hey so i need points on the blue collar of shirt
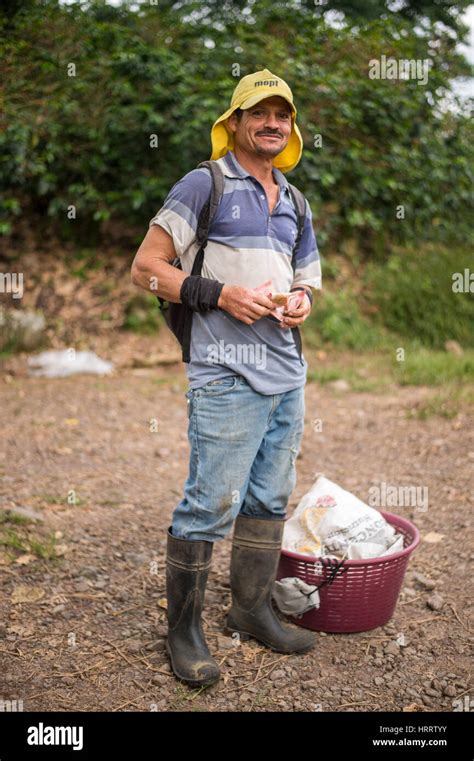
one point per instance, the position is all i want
(234, 169)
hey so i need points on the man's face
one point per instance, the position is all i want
(263, 129)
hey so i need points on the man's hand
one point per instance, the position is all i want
(245, 304)
(297, 316)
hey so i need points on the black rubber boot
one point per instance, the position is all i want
(256, 546)
(187, 568)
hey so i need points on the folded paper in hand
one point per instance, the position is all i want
(285, 302)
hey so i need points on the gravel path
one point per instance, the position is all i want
(80, 460)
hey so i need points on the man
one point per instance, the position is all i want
(246, 378)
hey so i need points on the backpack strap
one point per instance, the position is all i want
(299, 202)
(204, 222)
(210, 207)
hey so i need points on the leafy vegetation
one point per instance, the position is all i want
(415, 294)
(106, 107)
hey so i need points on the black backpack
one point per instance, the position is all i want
(179, 317)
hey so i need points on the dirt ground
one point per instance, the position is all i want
(85, 629)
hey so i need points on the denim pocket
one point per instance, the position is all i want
(219, 386)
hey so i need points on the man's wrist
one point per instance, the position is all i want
(222, 297)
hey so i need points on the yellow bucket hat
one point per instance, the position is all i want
(250, 90)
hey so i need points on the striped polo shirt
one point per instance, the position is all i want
(246, 246)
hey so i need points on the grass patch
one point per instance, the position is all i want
(325, 375)
(45, 550)
(17, 520)
(337, 319)
(446, 405)
(9, 538)
(51, 499)
(186, 694)
(12, 537)
(433, 368)
(375, 371)
(364, 371)
(358, 382)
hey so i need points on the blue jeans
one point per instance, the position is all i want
(243, 452)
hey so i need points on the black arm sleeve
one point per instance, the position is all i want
(200, 293)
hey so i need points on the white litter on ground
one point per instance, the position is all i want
(59, 364)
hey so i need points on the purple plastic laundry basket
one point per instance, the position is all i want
(363, 593)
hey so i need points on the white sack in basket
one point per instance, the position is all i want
(330, 522)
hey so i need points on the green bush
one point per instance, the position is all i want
(337, 319)
(413, 293)
(87, 86)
